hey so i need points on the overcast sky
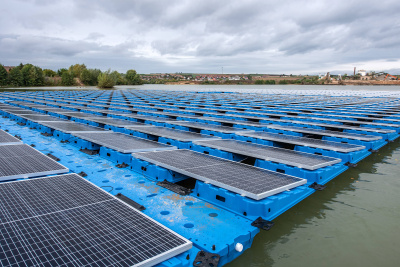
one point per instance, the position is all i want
(250, 36)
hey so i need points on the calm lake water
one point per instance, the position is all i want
(354, 222)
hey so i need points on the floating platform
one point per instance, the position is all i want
(180, 178)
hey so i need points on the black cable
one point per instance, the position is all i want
(243, 160)
(112, 188)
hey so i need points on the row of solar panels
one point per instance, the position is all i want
(274, 137)
(249, 111)
(256, 122)
(272, 99)
(235, 183)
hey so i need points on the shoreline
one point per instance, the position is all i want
(343, 83)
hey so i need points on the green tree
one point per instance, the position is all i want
(85, 77)
(61, 71)
(94, 75)
(132, 78)
(77, 69)
(20, 66)
(3, 76)
(36, 77)
(15, 77)
(106, 80)
(25, 71)
(67, 78)
(120, 79)
(259, 82)
(49, 73)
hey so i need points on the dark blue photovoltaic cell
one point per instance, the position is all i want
(66, 220)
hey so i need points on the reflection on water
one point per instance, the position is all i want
(354, 222)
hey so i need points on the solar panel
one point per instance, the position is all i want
(249, 181)
(231, 121)
(67, 221)
(70, 127)
(38, 118)
(20, 111)
(55, 110)
(304, 141)
(122, 142)
(342, 126)
(22, 161)
(362, 137)
(78, 114)
(351, 122)
(148, 118)
(269, 153)
(8, 139)
(179, 135)
(115, 122)
(206, 126)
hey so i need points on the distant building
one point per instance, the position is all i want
(8, 68)
(362, 72)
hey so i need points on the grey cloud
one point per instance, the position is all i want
(183, 35)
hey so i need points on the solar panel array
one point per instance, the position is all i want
(269, 153)
(250, 181)
(122, 142)
(23, 161)
(67, 221)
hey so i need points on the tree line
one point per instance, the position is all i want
(78, 75)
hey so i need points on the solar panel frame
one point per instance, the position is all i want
(64, 231)
(106, 143)
(15, 165)
(255, 147)
(8, 139)
(233, 170)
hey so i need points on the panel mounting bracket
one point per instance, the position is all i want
(122, 165)
(316, 186)
(206, 259)
(53, 157)
(89, 151)
(262, 224)
(183, 191)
